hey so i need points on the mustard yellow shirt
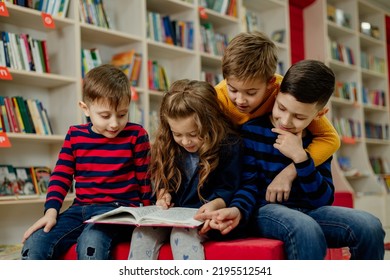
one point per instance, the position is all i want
(326, 141)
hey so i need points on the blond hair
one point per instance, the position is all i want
(250, 56)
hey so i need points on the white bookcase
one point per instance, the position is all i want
(322, 35)
(60, 90)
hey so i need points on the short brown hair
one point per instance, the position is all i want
(249, 56)
(106, 83)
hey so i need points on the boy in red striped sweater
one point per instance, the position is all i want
(108, 159)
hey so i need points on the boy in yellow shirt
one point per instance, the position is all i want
(249, 91)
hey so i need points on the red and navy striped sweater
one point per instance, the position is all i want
(105, 170)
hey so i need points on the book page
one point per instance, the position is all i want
(122, 214)
(174, 215)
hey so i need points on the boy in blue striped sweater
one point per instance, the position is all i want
(301, 217)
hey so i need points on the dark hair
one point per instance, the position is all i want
(106, 83)
(309, 81)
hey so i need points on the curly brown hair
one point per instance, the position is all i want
(188, 98)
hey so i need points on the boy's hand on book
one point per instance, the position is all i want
(47, 222)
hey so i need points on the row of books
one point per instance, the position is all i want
(373, 97)
(161, 28)
(339, 16)
(251, 21)
(377, 131)
(385, 181)
(211, 77)
(225, 7)
(130, 62)
(341, 52)
(23, 182)
(53, 7)
(347, 128)
(212, 42)
(380, 165)
(157, 76)
(21, 115)
(22, 52)
(90, 58)
(93, 12)
(372, 62)
(346, 90)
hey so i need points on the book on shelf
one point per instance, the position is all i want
(124, 61)
(27, 184)
(42, 178)
(149, 216)
(23, 182)
(8, 183)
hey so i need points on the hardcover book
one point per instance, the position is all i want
(149, 216)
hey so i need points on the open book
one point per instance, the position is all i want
(149, 216)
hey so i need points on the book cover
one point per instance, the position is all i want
(6, 46)
(25, 117)
(42, 177)
(149, 216)
(11, 115)
(3, 61)
(3, 113)
(18, 114)
(8, 184)
(26, 182)
(45, 55)
(36, 117)
(124, 61)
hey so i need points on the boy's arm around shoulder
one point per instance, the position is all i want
(226, 179)
(326, 140)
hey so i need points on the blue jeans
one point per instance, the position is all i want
(94, 241)
(308, 233)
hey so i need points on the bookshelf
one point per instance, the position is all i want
(359, 108)
(60, 90)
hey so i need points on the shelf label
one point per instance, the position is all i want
(348, 140)
(5, 74)
(48, 21)
(4, 140)
(3, 10)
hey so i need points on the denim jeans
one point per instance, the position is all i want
(308, 233)
(94, 241)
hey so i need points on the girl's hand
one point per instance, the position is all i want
(164, 199)
(47, 222)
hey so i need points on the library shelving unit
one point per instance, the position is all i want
(273, 18)
(60, 90)
(350, 37)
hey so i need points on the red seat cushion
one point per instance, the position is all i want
(240, 249)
